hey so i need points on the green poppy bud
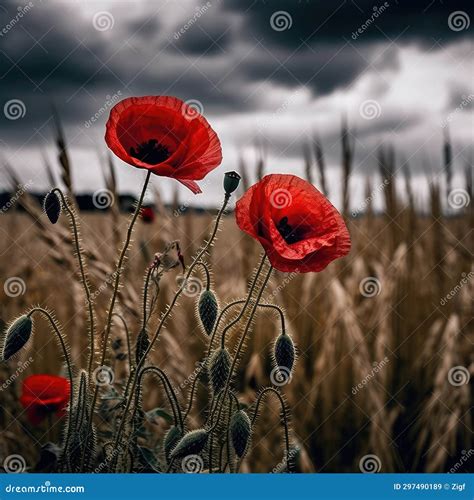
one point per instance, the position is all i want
(17, 336)
(208, 310)
(231, 182)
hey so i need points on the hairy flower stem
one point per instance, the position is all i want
(284, 420)
(166, 314)
(239, 348)
(62, 342)
(127, 335)
(146, 287)
(216, 326)
(170, 394)
(118, 274)
(84, 280)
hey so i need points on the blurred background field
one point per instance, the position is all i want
(384, 336)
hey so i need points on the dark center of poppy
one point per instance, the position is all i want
(288, 233)
(151, 152)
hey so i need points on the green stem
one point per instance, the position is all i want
(171, 395)
(242, 341)
(284, 412)
(216, 326)
(64, 348)
(145, 295)
(127, 334)
(83, 272)
(118, 273)
(168, 312)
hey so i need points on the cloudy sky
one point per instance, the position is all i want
(273, 72)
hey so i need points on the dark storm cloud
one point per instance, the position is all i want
(318, 21)
(208, 37)
(223, 60)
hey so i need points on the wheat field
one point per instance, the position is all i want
(384, 336)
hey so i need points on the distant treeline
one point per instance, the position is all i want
(88, 203)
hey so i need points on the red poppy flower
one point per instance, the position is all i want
(165, 135)
(298, 227)
(43, 395)
(147, 214)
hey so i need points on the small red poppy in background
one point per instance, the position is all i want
(147, 215)
(165, 135)
(298, 227)
(44, 395)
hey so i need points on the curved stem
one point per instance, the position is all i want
(171, 395)
(242, 340)
(83, 272)
(216, 326)
(127, 334)
(249, 296)
(207, 273)
(168, 311)
(118, 273)
(145, 295)
(63, 345)
(173, 400)
(268, 306)
(284, 412)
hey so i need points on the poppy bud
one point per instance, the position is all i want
(219, 368)
(170, 440)
(17, 336)
(284, 352)
(231, 182)
(52, 206)
(142, 345)
(191, 443)
(208, 310)
(240, 429)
